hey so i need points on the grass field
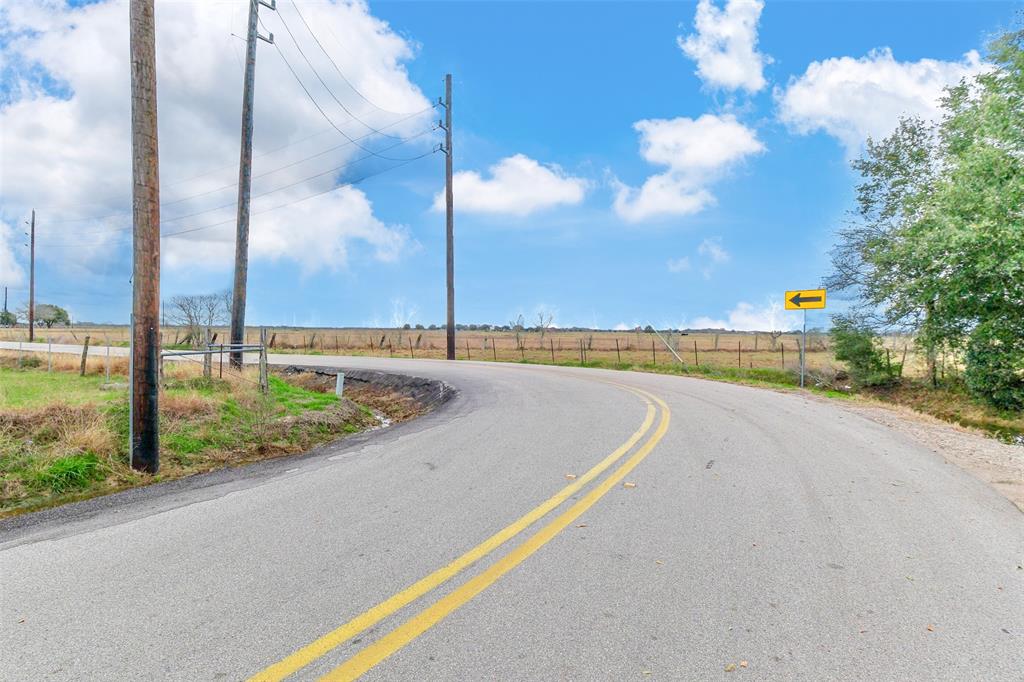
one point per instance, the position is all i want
(716, 349)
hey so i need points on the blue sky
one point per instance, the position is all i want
(757, 186)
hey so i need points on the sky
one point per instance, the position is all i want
(616, 163)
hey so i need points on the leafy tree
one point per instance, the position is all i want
(995, 364)
(8, 319)
(936, 244)
(48, 314)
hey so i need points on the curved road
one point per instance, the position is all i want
(548, 523)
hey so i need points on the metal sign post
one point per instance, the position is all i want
(805, 299)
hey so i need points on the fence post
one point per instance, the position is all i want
(739, 354)
(411, 353)
(618, 355)
(339, 384)
(782, 347)
(49, 354)
(654, 353)
(85, 354)
(696, 363)
(108, 360)
(552, 341)
(221, 370)
(264, 378)
(207, 358)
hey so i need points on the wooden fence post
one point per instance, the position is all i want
(696, 362)
(552, 350)
(207, 358)
(739, 354)
(468, 357)
(618, 355)
(264, 378)
(654, 353)
(782, 347)
(85, 354)
(411, 353)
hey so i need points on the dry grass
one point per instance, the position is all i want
(718, 349)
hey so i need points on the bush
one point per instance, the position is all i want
(857, 346)
(995, 364)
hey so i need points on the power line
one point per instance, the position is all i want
(316, 73)
(335, 65)
(317, 104)
(272, 191)
(266, 210)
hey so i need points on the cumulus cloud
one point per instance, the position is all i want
(696, 153)
(65, 118)
(725, 45)
(852, 99)
(518, 185)
(749, 317)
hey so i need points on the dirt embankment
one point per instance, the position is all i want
(398, 397)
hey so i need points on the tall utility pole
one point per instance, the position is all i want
(145, 352)
(31, 281)
(450, 214)
(245, 183)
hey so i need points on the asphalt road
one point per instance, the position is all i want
(724, 526)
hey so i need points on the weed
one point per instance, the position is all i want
(74, 471)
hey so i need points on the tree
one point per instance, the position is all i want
(936, 245)
(8, 319)
(544, 323)
(858, 347)
(197, 312)
(46, 314)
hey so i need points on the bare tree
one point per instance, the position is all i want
(544, 323)
(198, 311)
(517, 325)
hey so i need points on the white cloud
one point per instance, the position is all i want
(518, 186)
(696, 152)
(725, 45)
(748, 317)
(713, 250)
(11, 273)
(67, 148)
(679, 264)
(852, 99)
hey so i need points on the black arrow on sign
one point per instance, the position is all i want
(798, 299)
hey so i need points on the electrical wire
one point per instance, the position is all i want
(335, 65)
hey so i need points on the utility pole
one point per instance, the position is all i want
(450, 215)
(145, 351)
(245, 182)
(31, 281)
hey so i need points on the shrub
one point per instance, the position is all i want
(995, 364)
(857, 346)
(76, 471)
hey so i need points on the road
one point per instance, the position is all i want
(711, 531)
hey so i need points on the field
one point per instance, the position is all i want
(748, 350)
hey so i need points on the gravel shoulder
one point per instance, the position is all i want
(1001, 465)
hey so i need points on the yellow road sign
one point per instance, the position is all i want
(805, 299)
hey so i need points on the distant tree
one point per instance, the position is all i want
(544, 323)
(649, 329)
(8, 319)
(47, 314)
(197, 312)
(419, 326)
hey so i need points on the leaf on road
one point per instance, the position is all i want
(571, 477)
(729, 667)
(931, 629)
(743, 664)
(627, 484)
(581, 525)
(659, 562)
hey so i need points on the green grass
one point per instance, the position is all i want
(68, 440)
(32, 388)
(296, 400)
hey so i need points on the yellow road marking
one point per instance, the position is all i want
(335, 638)
(405, 633)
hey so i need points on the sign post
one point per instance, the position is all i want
(805, 299)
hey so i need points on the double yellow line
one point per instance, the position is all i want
(405, 633)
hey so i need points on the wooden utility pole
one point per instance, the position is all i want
(31, 280)
(145, 350)
(450, 214)
(245, 184)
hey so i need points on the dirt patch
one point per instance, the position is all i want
(999, 464)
